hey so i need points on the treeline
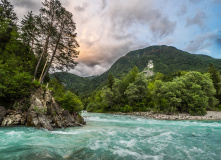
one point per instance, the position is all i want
(29, 51)
(17, 62)
(187, 92)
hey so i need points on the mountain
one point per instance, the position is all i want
(166, 60)
(73, 82)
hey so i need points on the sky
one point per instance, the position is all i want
(109, 29)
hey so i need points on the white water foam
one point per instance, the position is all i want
(130, 143)
(125, 152)
(95, 145)
(15, 134)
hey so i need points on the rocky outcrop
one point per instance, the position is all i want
(42, 112)
(148, 71)
(13, 118)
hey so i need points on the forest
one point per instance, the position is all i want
(31, 49)
(183, 92)
(46, 43)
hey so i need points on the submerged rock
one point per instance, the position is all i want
(43, 112)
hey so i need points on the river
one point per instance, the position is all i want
(115, 137)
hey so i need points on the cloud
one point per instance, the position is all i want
(112, 29)
(198, 19)
(124, 16)
(23, 6)
(81, 8)
(27, 3)
(195, 1)
(205, 51)
(108, 29)
(217, 1)
(182, 10)
(201, 42)
(218, 41)
(104, 4)
(85, 71)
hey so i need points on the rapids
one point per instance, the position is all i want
(115, 137)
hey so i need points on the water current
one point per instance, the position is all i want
(115, 137)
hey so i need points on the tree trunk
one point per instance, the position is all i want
(52, 57)
(42, 53)
(45, 47)
(43, 69)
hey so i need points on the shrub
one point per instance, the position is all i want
(70, 102)
(127, 108)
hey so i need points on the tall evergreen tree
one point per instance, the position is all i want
(65, 44)
(7, 12)
(137, 91)
(16, 62)
(29, 30)
(110, 81)
(8, 20)
(214, 74)
(47, 24)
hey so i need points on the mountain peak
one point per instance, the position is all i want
(152, 59)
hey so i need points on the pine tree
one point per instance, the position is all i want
(30, 31)
(7, 12)
(65, 44)
(16, 61)
(110, 81)
(214, 74)
(47, 23)
(8, 20)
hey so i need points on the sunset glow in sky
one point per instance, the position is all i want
(109, 29)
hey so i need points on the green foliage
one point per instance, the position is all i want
(191, 93)
(66, 99)
(73, 82)
(96, 102)
(16, 62)
(7, 12)
(108, 97)
(70, 102)
(127, 108)
(110, 81)
(216, 78)
(29, 30)
(137, 91)
(126, 95)
(95, 107)
(36, 84)
(167, 60)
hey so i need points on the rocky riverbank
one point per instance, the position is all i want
(40, 111)
(211, 115)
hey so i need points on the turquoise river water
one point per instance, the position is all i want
(115, 137)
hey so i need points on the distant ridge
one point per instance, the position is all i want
(166, 60)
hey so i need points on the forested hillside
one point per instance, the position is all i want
(166, 60)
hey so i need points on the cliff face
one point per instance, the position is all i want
(40, 111)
